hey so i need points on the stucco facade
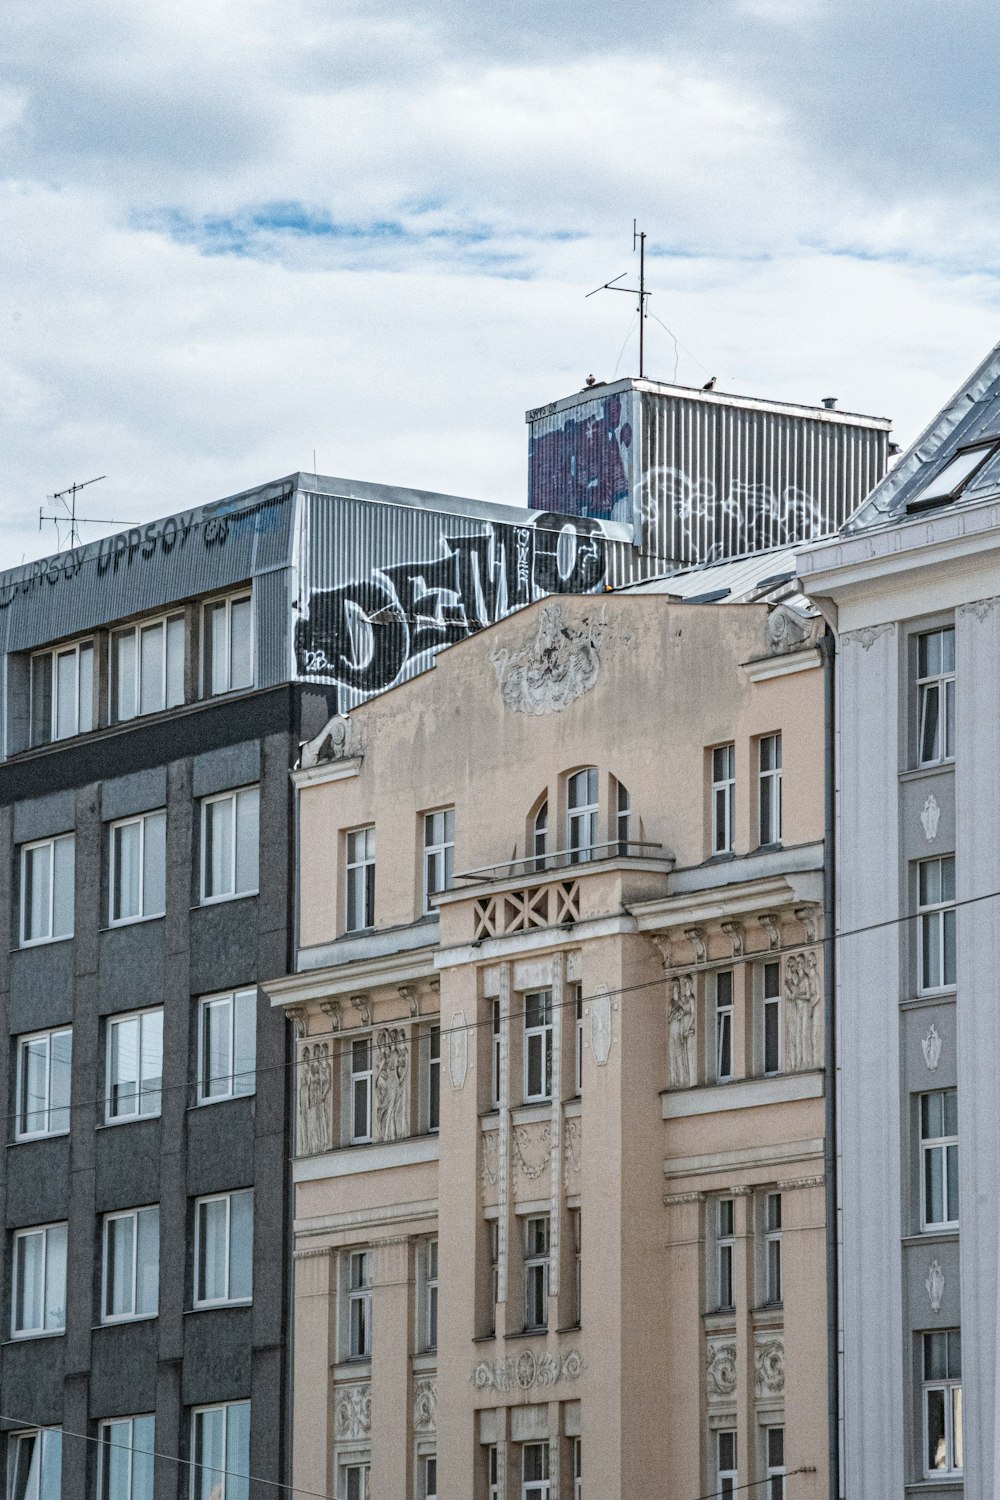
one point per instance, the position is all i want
(559, 1191)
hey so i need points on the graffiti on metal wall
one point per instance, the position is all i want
(366, 633)
(699, 523)
(583, 466)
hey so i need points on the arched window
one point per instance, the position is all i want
(581, 814)
(540, 835)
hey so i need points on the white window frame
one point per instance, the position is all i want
(495, 1056)
(134, 1214)
(359, 1304)
(428, 1476)
(582, 816)
(773, 1269)
(236, 1001)
(724, 1013)
(227, 1300)
(578, 1040)
(535, 1489)
(142, 916)
(106, 1441)
(623, 817)
(938, 1148)
(234, 797)
(51, 936)
(723, 798)
(493, 1231)
(434, 1078)
(577, 1468)
(771, 1001)
(81, 667)
(430, 1329)
(727, 1471)
(769, 787)
(45, 1230)
(536, 1272)
(208, 689)
(360, 1078)
(538, 1039)
(576, 1225)
(725, 1251)
(360, 1467)
(42, 1436)
(227, 1492)
(937, 688)
(49, 1109)
(135, 630)
(540, 835)
(949, 1387)
(439, 855)
(357, 878)
(493, 1472)
(776, 1470)
(142, 1093)
(938, 918)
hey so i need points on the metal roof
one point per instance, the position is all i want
(762, 577)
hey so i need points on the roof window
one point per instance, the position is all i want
(956, 475)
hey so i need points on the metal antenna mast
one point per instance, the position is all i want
(69, 506)
(638, 238)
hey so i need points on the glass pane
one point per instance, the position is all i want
(947, 880)
(241, 645)
(154, 865)
(934, 1185)
(41, 699)
(123, 672)
(245, 1042)
(51, 1478)
(127, 840)
(64, 877)
(775, 1447)
(215, 646)
(37, 868)
(219, 847)
(930, 882)
(952, 1169)
(147, 1289)
(55, 1278)
(948, 968)
(957, 1435)
(120, 1249)
(937, 1448)
(247, 839)
(772, 1054)
(931, 951)
(116, 1460)
(86, 719)
(935, 1356)
(211, 1285)
(29, 1263)
(151, 665)
(241, 1245)
(66, 664)
(209, 1455)
(238, 1450)
(931, 1116)
(175, 661)
(216, 1048)
(143, 1442)
(950, 1104)
(953, 474)
(34, 1086)
(361, 1097)
(123, 1068)
(152, 1062)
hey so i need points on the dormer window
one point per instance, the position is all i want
(956, 476)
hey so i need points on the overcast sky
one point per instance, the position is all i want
(235, 233)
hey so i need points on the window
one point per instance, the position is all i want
(434, 1078)
(772, 1248)
(131, 1280)
(582, 814)
(771, 982)
(943, 1444)
(229, 844)
(725, 1462)
(139, 868)
(359, 1304)
(47, 889)
(770, 789)
(227, 1045)
(578, 1038)
(725, 1244)
(493, 1472)
(939, 1160)
(429, 1478)
(125, 1459)
(540, 835)
(227, 651)
(955, 475)
(431, 1295)
(62, 692)
(220, 1452)
(147, 668)
(35, 1465)
(135, 1065)
(576, 1225)
(936, 902)
(44, 1061)
(535, 1471)
(936, 696)
(724, 1026)
(623, 817)
(536, 1272)
(439, 853)
(223, 1248)
(577, 1469)
(355, 1482)
(775, 1442)
(723, 799)
(538, 1045)
(493, 1229)
(361, 1090)
(495, 1057)
(39, 1281)
(361, 879)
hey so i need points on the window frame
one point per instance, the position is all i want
(540, 835)
(727, 1471)
(769, 790)
(201, 1303)
(434, 1077)
(538, 1037)
(723, 794)
(29, 849)
(367, 878)
(773, 1269)
(775, 1461)
(361, 1467)
(430, 1326)
(128, 1213)
(725, 1251)
(45, 1230)
(39, 1434)
(724, 1024)
(105, 1444)
(576, 1240)
(771, 1009)
(135, 630)
(20, 1100)
(208, 690)
(942, 686)
(948, 1386)
(112, 1022)
(360, 1077)
(441, 850)
(235, 894)
(52, 654)
(578, 1040)
(937, 913)
(495, 1055)
(939, 1146)
(583, 818)
(623, 817)
(536, 1273)
(141, 819)
(535, 1487)
(230, 999)
(199, 1413)
(359, 1296)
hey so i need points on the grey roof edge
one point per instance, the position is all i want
(831, 415)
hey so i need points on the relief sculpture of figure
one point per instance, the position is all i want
(802, 992)
(323, 1087)
(681, 1033)
(390, 1083)
(815, 1020)
(305, 1116)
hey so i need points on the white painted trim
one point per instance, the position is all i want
(330, 770)
(537, 941)
(747, 1156)
(783, 666)
(354, 1161)
(746, 1093)
(365, 1218)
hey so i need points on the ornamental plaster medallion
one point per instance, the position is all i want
(720, 1375)
(866, 637)
(424, 1404)
(930, 817)
(572, 1151)
(600, 1025)
(458, 1050)
(786, 629)
(769, 1367)
(558, 666)
(532, 1150)
(935, 1285)
(979, 607)
(489, 1167)
(527, 1370)
(931, 1048)
(354, 1412)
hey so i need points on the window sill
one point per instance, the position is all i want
(209, 1307)
(126, 1120)
(221, 900)
(131, 1318)
(932, 768)
(933, 1236)
(741, 1093)
(528, 1333)
(376, 1156)
(49, 942)
(32, 1338)
(31, 1140)
(155, 916)
(221, 1099)
(352, 1368)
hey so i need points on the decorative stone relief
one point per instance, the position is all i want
(331, 1008)
(337, 740)
(663, 948)
(408, 992)
(720, 1374)
(979, 607)
(489, 1165)
(521, 1372)
(600, 1025)
(532, 1152)
(866, 637)
(930, 816)
(808, 915)
(697, 938)
(787, 630)
(424, 1404)
(362, 1005)
(392, 1056)
(458, 1050)
(769, 921)
(935, 1285)
(573, 1153)
(558, 666)
(297, 1015)
(931, 1048)
(803, 1047)
(734, 932)
(315, 1088)
(353, 1418)
(769, 1367)
(682, 1032)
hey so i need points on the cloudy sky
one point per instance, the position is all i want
(238, 231)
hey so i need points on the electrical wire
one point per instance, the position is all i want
(754, 1484)
(677, 341)
(628, 335)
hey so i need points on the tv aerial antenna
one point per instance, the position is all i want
(69, 514)
(638, 238)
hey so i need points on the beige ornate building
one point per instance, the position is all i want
(559, 1203)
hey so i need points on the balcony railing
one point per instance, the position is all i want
(560, 859)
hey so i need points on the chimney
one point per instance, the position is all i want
(829, 402)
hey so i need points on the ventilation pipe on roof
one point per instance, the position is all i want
(830, 402)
